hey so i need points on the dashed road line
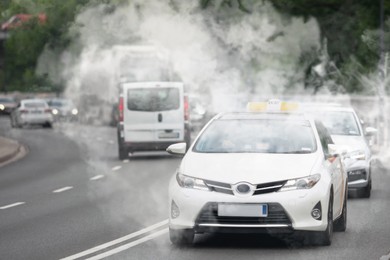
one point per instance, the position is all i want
(12, 205)
(110, 142)
(120, 240)
(99, 138)
(126, 161)
(115, 168)
(97, 177)
(63, 189)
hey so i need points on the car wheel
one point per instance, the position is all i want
(366, 191)
(181, 237)
(340, 224)
(324, 238)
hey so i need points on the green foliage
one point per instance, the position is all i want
(26, 43)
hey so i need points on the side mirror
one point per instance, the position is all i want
(335, 150)
(177, 149)
(370, 131)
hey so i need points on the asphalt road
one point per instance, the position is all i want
(71, 194)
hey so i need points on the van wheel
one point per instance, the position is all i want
(123, 153)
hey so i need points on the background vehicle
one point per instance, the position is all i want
(32, 112)
(153, 115)
(259, 172)
(345, 128)
(7, 104)
(18, 20)
(63, 109)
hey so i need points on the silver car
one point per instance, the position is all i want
(345, 128)
(32, 112)
(63, 109)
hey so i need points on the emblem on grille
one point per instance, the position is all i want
(243, 188)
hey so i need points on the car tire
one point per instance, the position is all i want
(340, 225)
(324, 238)
(182, 237)
(366, 191)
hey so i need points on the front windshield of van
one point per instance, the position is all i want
(153, 99)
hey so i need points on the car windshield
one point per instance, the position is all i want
(153, 99)
(339, 122)
(34, 105)
(6, 100)
(59, 103)
(257, 136)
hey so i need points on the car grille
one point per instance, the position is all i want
(260, 188)
(276, 216)
(357, 175)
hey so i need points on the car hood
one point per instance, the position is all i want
(253, 168)
(353, 143)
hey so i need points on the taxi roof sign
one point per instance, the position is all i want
(273, 105)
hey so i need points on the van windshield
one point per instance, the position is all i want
(153, 99)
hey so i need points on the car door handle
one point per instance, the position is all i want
(160, 117)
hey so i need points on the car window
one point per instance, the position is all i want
(339, 122)
(6, 100)
(153, 99)
(34, 105)
(324, 135)
(257, 136)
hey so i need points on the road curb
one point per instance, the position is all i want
(10, 150)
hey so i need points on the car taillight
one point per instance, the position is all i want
(23, 111)
(120, 109)
(48, 110)
(186, 109)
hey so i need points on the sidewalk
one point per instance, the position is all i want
(8, 149)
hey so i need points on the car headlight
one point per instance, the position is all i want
(190, 182)
(357, 155)
(301, 183)
(75, 111)
(54, 111)
(2, 107)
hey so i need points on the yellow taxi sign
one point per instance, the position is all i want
(273, 105)
(256, 106)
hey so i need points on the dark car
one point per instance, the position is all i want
(7, 104)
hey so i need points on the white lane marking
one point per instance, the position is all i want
(129, 245)
(116, 241)
(115, 168)
(110, 142)
(97, 177)
(63, 189)
(126, 161)
(12, 205)
(99, 139)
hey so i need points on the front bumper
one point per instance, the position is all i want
(358, 174)
(292, 210)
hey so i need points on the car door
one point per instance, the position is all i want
(153, 112)
(335, 168)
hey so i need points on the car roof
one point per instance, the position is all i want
(262, 115)
(328, 108)
(33, 101)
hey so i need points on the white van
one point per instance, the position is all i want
(152, 116)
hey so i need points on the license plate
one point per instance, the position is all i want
(36, 112)
(168, 135)
(242, 210)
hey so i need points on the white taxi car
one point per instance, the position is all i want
(267, 171)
